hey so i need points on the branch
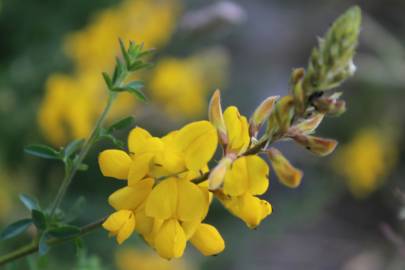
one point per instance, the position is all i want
(33, 247)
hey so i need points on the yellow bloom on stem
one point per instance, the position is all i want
(247, 177)
(120, 224)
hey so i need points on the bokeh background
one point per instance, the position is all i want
(349, 212)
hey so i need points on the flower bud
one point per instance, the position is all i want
(286, 173)
(281, 116)
(217, 175)
(330, 105)
(261, 114)
(215, 116)
(309, 125)
(317, 145)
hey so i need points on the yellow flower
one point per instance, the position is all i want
(237, 178)
(120, 224)
(246, 177)
(366, 161)
(181, 86)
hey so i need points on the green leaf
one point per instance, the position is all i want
(39, 219)
(124, 53)
(15, 228)
(107, 80)
(72, 147)
(134, 88)
(43, 246)
(29, 202)
(64, 231)
(119, 72)
(122, 124)
(43, 151)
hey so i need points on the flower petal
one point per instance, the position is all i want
(170, 241)
(132, 196)
(162, 201)
(198, 141)
(208, 240)
(237, 130)
(140, 167)
(191, 203)
(258, 172)
(136, 138)
(114, 163)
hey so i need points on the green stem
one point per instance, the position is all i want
(33, 247)
(71, 172)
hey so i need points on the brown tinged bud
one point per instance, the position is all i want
(329, 105)
(287, 174)
(215, 116)
(281, 117)
(317, 145)
(261, 114)
(309, 125)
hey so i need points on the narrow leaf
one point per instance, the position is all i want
(15, 228)
(107, 80)
(43, 246)
(42, 151)
(29, 202)
(122, 124)
(39, 219)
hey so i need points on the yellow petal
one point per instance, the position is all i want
(190, 227)
(150, 145)
(136, 138)
(247, 207)
(121, 224)
(317, 145)
(236, 178)
(208, 240)
(170, 241)
(126, 230)
(114, 163)
(191, 202)
(162, 201)
(140, 167)
(198, 141)
(286, 173)
(237, 130)
(131, 197)
(258, 172)
(246, 174)
(144, 224)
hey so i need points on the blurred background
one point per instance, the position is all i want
(349, 212)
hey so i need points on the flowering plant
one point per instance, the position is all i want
(171, 181)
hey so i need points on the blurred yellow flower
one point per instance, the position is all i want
(134, 259)
(72, 102)
(182, 86)
(366, 161)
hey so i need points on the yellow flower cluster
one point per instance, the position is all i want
(160, 201)
(169, 187)
(366, 161)
(72, 102)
